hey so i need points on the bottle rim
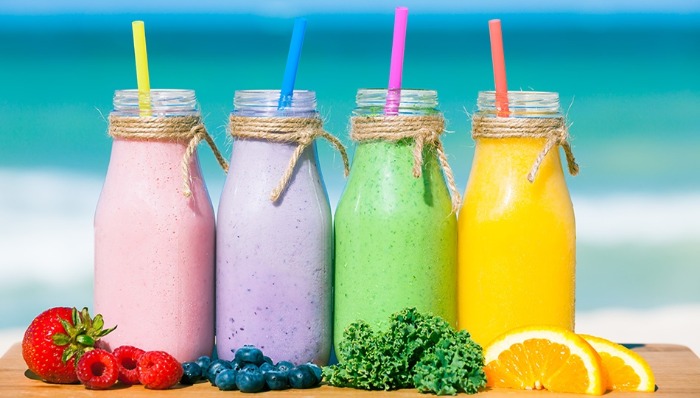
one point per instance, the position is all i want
(406, 91)
(267, 103)
(409, 101)
(162, 102)
(521, 103)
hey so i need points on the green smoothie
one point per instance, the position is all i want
(395, 237)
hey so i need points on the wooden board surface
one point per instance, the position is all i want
(677, 371)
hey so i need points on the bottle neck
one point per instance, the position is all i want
(157, 103)
(266, 103)
(373, 102)
(521, 104)
(513, 146)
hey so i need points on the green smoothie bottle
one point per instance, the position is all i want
(395, 225)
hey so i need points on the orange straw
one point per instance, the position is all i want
(499, 68)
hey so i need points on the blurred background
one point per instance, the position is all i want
(626, 71)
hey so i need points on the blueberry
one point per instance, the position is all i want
(302, 377)
(266, 367)
(285, 366)
(250, 368)
(268, 360)
(236, 366)
(203, 362)
(277, 379)
(317, 371)
(226, 380)
(249, 354)
(191, 373)
(215, 368)
(250, 381)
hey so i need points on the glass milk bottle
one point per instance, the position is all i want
(395, 228)
(274, 233)
(517, 240)
(154, 230)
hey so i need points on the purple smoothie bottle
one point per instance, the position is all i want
(274, 256)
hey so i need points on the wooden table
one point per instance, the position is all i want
(677, 371)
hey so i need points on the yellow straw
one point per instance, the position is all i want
(141, 56)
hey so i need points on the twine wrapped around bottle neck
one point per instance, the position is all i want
(290, 130)
(183, 129)
(425, 130)
(554, 130)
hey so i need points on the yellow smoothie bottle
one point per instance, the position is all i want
(516, 229)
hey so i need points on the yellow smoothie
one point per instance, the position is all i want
(516, 241)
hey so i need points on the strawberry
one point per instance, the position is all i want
(56, 339)
(97, 369)
(159, 370)
(127, 361)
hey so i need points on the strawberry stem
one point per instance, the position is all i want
(81, 335)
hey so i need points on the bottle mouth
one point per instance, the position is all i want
(521, 103)
(267, 103)
(373, 101)
(160, 102)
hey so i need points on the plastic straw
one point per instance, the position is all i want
(393, 97)
(290, 71)
(499, 68)
(142, 80)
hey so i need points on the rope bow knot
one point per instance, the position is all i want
(188, 129)
(424, 130)
(291, 130)
(554, 130)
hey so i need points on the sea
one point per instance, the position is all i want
(629, 85)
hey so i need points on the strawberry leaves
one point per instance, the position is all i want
(80, 335)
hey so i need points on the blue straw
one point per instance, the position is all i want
(290, 71)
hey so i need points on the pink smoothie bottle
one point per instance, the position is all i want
(155, 230)
(274, 258)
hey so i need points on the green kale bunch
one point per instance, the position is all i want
(417, 350)
(451, 366)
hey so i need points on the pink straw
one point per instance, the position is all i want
(393, 98)
(499, 68)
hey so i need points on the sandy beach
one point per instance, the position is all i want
(678, 324)
(8, 337)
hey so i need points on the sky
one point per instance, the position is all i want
(292, 7)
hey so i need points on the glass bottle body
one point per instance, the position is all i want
(517, 239)
(154, 247)
(274, 259)
(395, 234)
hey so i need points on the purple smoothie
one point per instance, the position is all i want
(274, 260)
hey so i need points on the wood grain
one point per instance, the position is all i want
(677, 371)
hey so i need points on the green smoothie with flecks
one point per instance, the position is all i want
(395, 235)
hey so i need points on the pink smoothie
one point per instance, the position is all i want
(274, 260)
(154, 252)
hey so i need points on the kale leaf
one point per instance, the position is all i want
(416, 350)
(451, 366)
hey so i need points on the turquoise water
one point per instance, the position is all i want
(630, 85)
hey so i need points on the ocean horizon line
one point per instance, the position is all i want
(541, 21)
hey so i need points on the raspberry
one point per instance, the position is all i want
(127, 361)
(159, 370)
(97, 369)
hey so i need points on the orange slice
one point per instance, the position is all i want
(544, 357)
(626, 370)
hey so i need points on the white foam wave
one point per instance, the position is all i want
(46, 216)
(638, 219)
(46, 226)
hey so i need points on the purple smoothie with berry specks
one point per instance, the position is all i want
(274, 259)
